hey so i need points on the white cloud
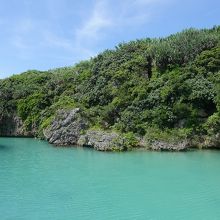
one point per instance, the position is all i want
(93, 27)
(107, 17)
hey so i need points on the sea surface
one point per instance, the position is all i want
(41, 182)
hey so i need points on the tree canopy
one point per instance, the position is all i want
(167, 83)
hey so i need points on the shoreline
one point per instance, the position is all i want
(135, 149)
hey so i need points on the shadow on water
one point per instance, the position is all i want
(3, 147)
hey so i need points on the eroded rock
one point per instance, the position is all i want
(13, 127)
(102, 140)
(158, 145)
(66, 127)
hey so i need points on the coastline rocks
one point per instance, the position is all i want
(69, 128)
(206, 141)
(102, 141)
(211, 141)
(66, 127)
(13, 127)
(163, 145)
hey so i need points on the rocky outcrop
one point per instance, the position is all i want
(163, 145)
(212, 141)
(12, 127)
(69, 128)
(66, 127)
(169, 146)
(102, 140)
(206, 141)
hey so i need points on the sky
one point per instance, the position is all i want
(46, 34)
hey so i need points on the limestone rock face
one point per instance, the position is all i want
(66, 127)
(211, 141)
(102, 140)
(12, 127)
(69, 128)
(163, 145)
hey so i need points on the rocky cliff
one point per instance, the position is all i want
(70, 127)
(66, 127)
(164, 145)
(13, 127)
(102, 140)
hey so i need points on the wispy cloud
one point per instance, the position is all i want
(93, 28)
(103, 19)
(106, 18)
(30, 35)
(97, 21)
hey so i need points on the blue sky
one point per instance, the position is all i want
(45, 34)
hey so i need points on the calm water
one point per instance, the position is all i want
(39, 182)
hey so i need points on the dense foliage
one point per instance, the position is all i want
(165, 84)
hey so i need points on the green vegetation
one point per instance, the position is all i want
(167, 87)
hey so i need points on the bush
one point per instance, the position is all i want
(212, 124)
(130, 141)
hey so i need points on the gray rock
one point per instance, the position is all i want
(102, 141)
(212, 141)
(165, 145)
(66, 127)
(13, 127)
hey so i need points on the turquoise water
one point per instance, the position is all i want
(39, 182)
